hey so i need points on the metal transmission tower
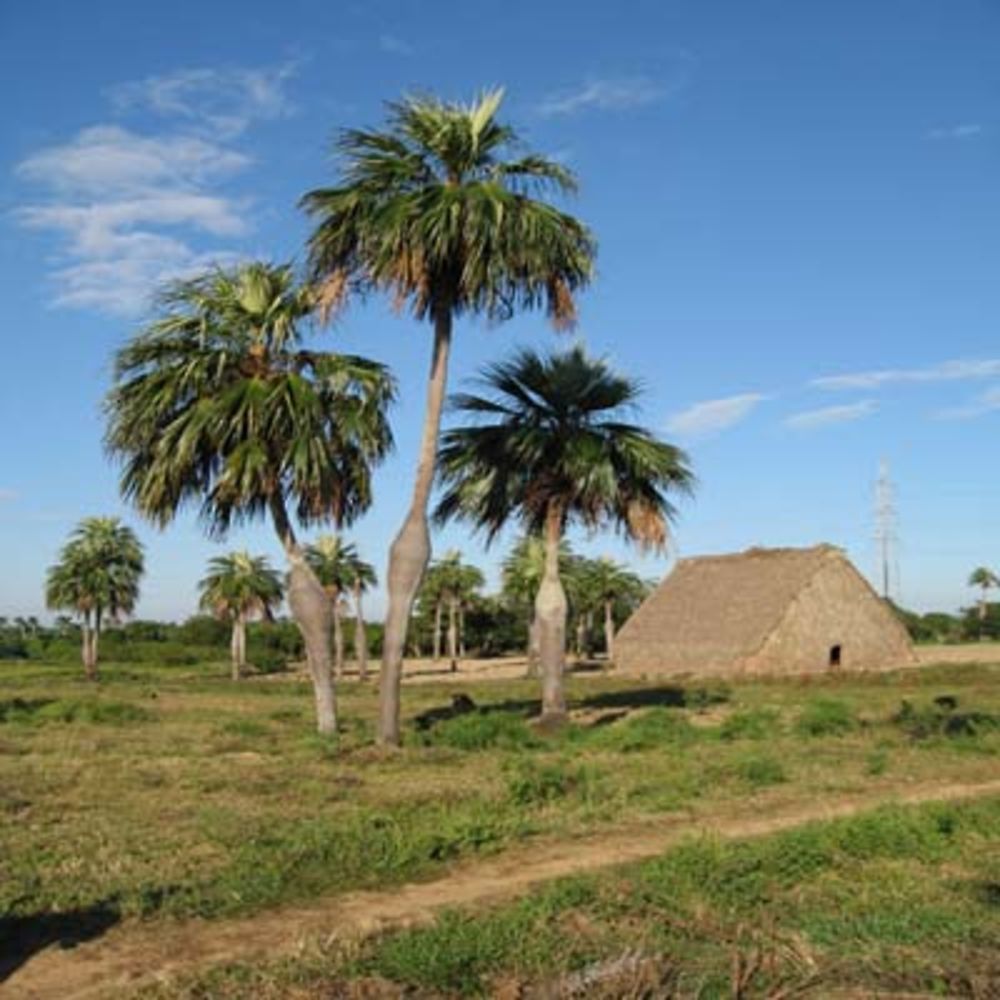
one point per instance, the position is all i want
(885, 529)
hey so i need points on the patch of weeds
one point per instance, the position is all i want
(759, 772)
(248, 729)
(941, 718)
(482, 731)
(826, 717)
(657, 727)
(287, 715)
(877, 762)
(71, 710)
(752, 724)
(534, 783)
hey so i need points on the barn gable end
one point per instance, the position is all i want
(762, 611)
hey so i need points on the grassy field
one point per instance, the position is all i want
(171, 793)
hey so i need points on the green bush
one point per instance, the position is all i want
(533, 782)
(657, 727)
(482, 731)
(826, 717)
(70, 710)
(941, 718)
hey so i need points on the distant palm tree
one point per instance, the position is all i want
(362, 579)
(97, 577)
(445, 212)
(217, 404)
(238, 587)
(332, 561)
(986, 580)
(455, 583)
(607, 584)
(549, 446)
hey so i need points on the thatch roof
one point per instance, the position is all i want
(726, 606)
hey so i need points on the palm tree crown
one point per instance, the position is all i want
(437, 211)
(550, 437)
(984, 578)
(332, 560)
(216, 403)
(241, 585)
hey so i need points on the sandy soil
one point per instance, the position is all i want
(129, 954)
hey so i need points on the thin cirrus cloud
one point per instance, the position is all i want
(984, 403)
(394, 45)
(947, 371)
(621, 94)
(714, 415)
(967, 130)
(830, 416)
(129, 207)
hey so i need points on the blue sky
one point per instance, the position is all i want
(797, 207)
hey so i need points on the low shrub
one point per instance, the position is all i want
(752, 724)
(761, 771)
(533, 782)
(71, 710)
(826, 717)
(482, 731)
(657, 727)
(941, 718)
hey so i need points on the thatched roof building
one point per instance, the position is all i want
(783, 611)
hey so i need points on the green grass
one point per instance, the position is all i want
(902, 899)
(170, 790)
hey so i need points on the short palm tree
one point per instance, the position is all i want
(549, 446)
(454, 583)
(332, 560)
(442, 210)
(238, 587)
(97, 577)
(985, 579)
(610, 585)
(217, 404)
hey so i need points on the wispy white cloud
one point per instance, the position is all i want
(984, 403)
(224, 101)
(620, 94)
(130, 207)
(967, 130)
(395, 46)
(948, 371)
(714, 415)
(828, 416)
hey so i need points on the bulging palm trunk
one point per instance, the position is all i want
(550, 614)
(310, 607)
(411, 550)
(609, 631)
(453, 633)
(533, 644)
(360, 637)
(87, 649)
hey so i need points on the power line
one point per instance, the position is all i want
(886, 536)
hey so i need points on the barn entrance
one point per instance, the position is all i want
(835, 655)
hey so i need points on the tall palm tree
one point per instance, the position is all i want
(444, 211)
(331, 560)
(432, 595)
(549, 446)
(362, 578)
(985, 579)
(217, 404)
(454, 583)
(521, 576)
(97, 577)
(238, 587)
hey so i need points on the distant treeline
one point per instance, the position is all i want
(970, 625)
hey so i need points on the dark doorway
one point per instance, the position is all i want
(835, 655)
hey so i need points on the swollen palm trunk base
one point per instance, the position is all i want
(311, 609)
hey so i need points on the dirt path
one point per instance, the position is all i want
(131, 953)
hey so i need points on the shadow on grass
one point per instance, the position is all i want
(16, 709)
(22, 937)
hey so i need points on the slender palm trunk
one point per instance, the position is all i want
(411, 550)
(95, 642)
(239, 646)
(437, 632)
(609, 630)
(533, 644)
(360, 636)
(338, 638)
(310, 607)
(86, 654)
(550, 613)
(461, 631)
(581, 635)
(453, 632)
